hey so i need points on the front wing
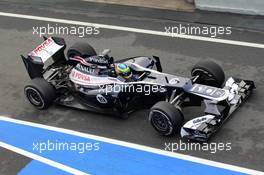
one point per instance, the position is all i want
(216, 113)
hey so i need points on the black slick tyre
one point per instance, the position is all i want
(40, 93)
(166, 118)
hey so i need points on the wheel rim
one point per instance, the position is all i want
(159, 121)
(34, 97)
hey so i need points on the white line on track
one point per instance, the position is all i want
(42, 159)
(135, 30)
(116, 142)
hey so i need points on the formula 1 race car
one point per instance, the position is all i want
(83, 79)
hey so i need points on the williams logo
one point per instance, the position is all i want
(199, 120)
(101, 99)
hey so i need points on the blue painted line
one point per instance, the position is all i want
(110, 158)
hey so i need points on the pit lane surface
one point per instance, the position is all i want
(244, 130)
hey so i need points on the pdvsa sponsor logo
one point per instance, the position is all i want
(44, 45)
(79, 76)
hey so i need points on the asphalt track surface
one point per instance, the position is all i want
(245, 130)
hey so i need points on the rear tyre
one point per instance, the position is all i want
(81, 49)
(209, 73)
(40, 93)
(166, 118)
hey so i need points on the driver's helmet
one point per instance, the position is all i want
(123, 70)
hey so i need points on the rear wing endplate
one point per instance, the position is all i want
(52, 47)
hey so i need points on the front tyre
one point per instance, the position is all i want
(40, 93)
(166, 118)
(209, 73)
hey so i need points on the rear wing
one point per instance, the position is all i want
(52, 47)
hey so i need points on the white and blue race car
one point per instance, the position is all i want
(86, 80)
